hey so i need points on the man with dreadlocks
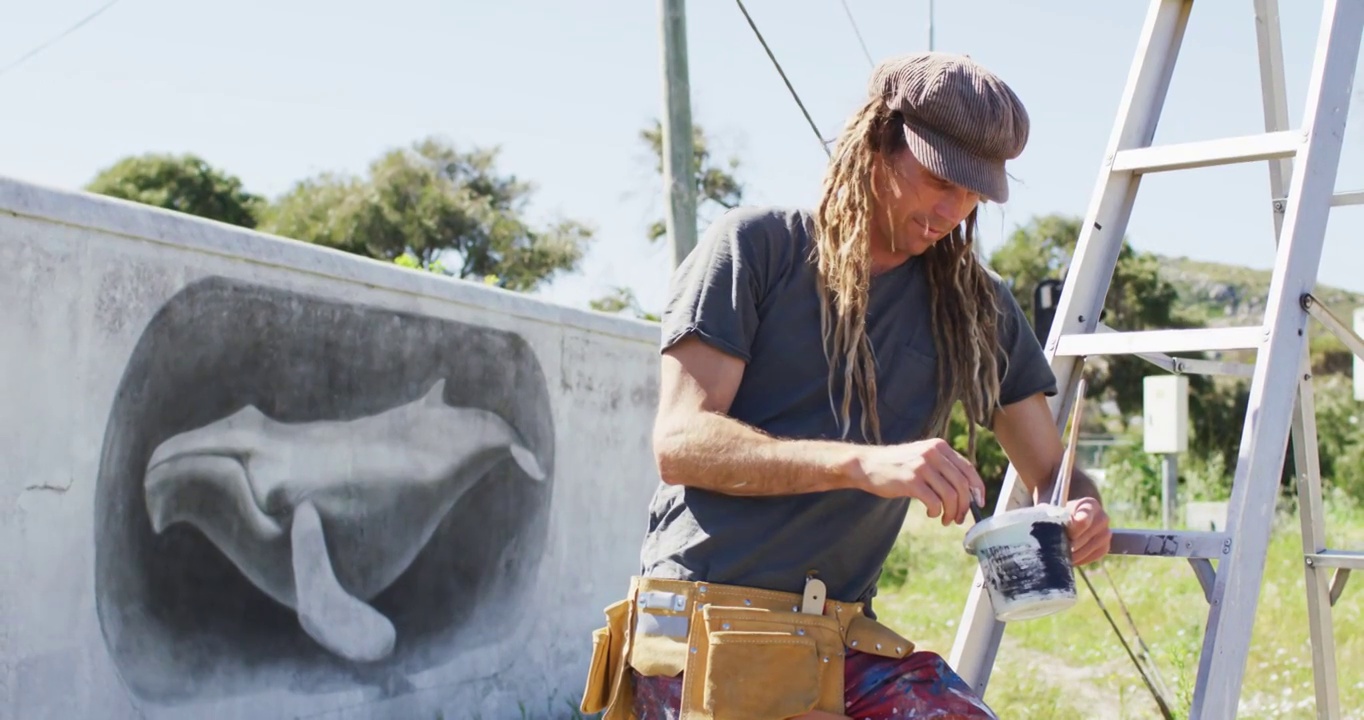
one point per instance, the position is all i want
(810, 362)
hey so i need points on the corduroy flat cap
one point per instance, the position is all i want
(961, 121)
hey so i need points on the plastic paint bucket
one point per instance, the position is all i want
(1025, 556)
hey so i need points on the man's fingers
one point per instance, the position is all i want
(1082, 552)
(1093, 549)
(951, 472)
(1089, 534)
(947, 496)
(928, 495)
(975, 486)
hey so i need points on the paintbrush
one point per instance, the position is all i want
(1062, 490)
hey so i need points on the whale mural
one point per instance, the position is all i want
(313, 495)
(274, 496)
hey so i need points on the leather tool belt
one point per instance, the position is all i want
(746, 653)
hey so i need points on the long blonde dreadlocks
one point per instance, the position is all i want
(965, 311)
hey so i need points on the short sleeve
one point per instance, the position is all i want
(1025, 371)
(714, 293)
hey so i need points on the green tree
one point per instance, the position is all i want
(1138, 298)
(717, 186)
(620, 300)
(717, 189)
(434, 207)
(183, 183)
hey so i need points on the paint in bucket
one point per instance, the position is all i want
(1025, 556)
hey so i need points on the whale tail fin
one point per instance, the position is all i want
(527, 462)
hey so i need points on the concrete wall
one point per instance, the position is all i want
(246, 477)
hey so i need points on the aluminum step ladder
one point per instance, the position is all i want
(1303, 166)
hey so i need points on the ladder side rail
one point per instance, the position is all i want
(979, 633)
(1264, 439)
(1307, 468)
(1274, 95)
(1306, 460)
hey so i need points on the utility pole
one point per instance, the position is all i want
(930, 25)
(679, 177)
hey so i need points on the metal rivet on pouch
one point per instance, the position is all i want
(748, 602)
(826, 659)
(795, 608)
(693, 650)
(703, 588)
(854, 643)
(800, 631)
(724, 626)
(878, 646)
(899, 649)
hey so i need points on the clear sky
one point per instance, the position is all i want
(275, 91)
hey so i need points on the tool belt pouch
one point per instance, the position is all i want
(755, 661)
(608, 684)
(753, 664)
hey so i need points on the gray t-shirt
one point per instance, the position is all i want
(749, 289)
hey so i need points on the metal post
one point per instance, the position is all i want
(930, 25)
(679, 176)
(1169, 475)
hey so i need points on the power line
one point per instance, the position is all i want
(781, 72)
(858, 33)
(61, 35)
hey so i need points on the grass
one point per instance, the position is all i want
(1072, 665)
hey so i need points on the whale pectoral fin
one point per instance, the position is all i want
(333, 617)
(526, 460)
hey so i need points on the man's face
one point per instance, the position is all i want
(917, 207)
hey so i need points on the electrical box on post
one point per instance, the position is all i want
(1165, 407)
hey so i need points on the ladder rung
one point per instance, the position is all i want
(1160, 341)
(1191, 366)
(1165, 543)
(1336, 558)
(1351, 197)
(1205, 153)
(1355, 197)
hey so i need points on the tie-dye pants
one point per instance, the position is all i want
(919, 686)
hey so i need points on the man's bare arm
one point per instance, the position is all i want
(1027, 433)
(696, 443)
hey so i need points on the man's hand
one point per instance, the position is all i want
(1088, 529)
(929, 471)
